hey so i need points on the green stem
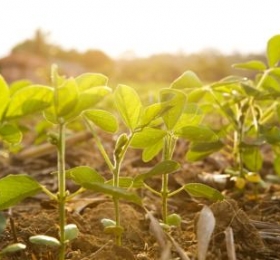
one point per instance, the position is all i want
(61, 187)
(168, 149)
(100, 146)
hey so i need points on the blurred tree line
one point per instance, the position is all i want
(209, 65)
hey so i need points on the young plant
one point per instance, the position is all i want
(136, 118)
(180, 120)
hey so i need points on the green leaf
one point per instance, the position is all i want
(115, 192)
(198, 133)
(18, 85)
(252, 158)
(3, 223)
(196, 95)
(88, 99)
(13, 248)
(164, 167)
(187, 80)
(29, 100)
(126, 182)
(129, 105)
(152, 113)
(203, 191)
(147, 137)
(4, 97)
(229, 80)
(151, 151)
(273, 51)
(198, 151)
(44, 240)
(10, 133)
(275, 72)
(105, 120)
(271, 134)
(90, 80)
(83, 174)
(271, 84)
(249, 90)
(15, 188)
(192, 115)
(71, 232)
(251, 65)
(176, 100)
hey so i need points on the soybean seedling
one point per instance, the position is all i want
(181, 119)
(136, 118)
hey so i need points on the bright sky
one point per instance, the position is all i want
(142, 26)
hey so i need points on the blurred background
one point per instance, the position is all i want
(147, 42)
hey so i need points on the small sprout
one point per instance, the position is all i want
(174, 220)
(44, 240)
(13, 248)
(106, 222)
(71, 232)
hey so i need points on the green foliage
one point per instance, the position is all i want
(23, 186)
(129, 105)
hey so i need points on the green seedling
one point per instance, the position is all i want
(180, 120)
(136, 118)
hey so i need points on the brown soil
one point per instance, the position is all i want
(254, 220)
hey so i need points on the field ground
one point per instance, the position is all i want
(254, 221)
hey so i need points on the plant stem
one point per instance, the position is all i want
(168, 149)
(61, 187)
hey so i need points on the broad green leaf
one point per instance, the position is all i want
(3, 223)
(129, 105)
(18, 85)
(88, 99)
(12, 248)
(203, 191)
(271, 134)
(249, 90)
(252, 158)
(66, 97)
(84, 174)
(187, 80)
(164, 167)
(10, 133)
(151, 151)
(4, 96)
(126, 182)
(196, 95)
(251, 65)
(271, 84)
(44, 240)
(176, 100)
(152, 113)
(15, 188)
(198, 133)
(105, 120)
(29, 100)
(192, 115)
(198, 151)
(115, 192)
(228, 81)
(147, 137)
(273, 51)
(89, 80)
(275, 72)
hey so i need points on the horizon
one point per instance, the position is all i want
(142, 29)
